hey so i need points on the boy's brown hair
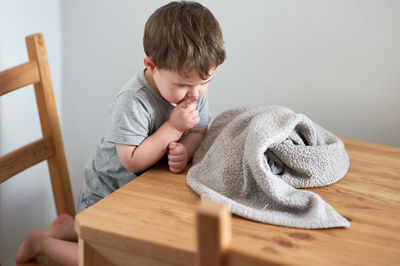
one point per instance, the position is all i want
(183, 36)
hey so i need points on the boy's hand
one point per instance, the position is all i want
(177, 157)
(185, 116)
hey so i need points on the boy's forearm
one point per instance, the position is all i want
(193, 139)
(153, 148)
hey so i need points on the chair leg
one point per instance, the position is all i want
(213, 233)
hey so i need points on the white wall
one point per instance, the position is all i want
(26, 200)
(336, 61)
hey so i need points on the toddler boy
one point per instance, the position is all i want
(163, 109)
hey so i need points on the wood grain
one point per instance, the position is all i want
(18, 76)
(154, 215)
(24, 157)
(213, 233)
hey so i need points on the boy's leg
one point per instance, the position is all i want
(62, 228)
(37, 244)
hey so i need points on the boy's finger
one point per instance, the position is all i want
(175, 151)
(172, 145)
(175, 165)
(194, 99)
(188, 102)
(191, 107)
(184, 103)
(196, 120)
(176, 170)
(175, 158)
(194, 113)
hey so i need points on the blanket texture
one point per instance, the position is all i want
(254, 158)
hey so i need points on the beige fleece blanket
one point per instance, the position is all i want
(254, 159)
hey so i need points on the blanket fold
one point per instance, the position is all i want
(254, 159)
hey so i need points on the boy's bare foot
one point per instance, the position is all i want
(62, 228)
(31, 248)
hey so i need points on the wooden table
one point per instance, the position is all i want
(151, 220)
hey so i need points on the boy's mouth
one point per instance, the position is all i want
(175, 104)
(193, 98)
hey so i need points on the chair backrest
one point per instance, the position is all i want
(50, 147)
(214, 246)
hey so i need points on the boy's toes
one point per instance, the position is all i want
(31, 248)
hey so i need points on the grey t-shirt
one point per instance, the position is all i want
(135, 113)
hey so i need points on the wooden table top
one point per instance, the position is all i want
(155, 215)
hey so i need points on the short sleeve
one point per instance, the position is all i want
(129, 120)
(204, 112)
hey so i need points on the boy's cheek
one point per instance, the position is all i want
(202, 92)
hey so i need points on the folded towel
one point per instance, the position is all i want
(254, 158)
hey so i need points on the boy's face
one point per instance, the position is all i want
(174, 88)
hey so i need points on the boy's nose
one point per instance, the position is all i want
(194, 92)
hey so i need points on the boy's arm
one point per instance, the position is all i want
(150, 151)
(153, 148)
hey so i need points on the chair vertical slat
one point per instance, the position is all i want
(213, 233)
(51, 126)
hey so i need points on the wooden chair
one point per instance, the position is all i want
(214, 247)
(50, 147)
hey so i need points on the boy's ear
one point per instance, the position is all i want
(149, 63)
